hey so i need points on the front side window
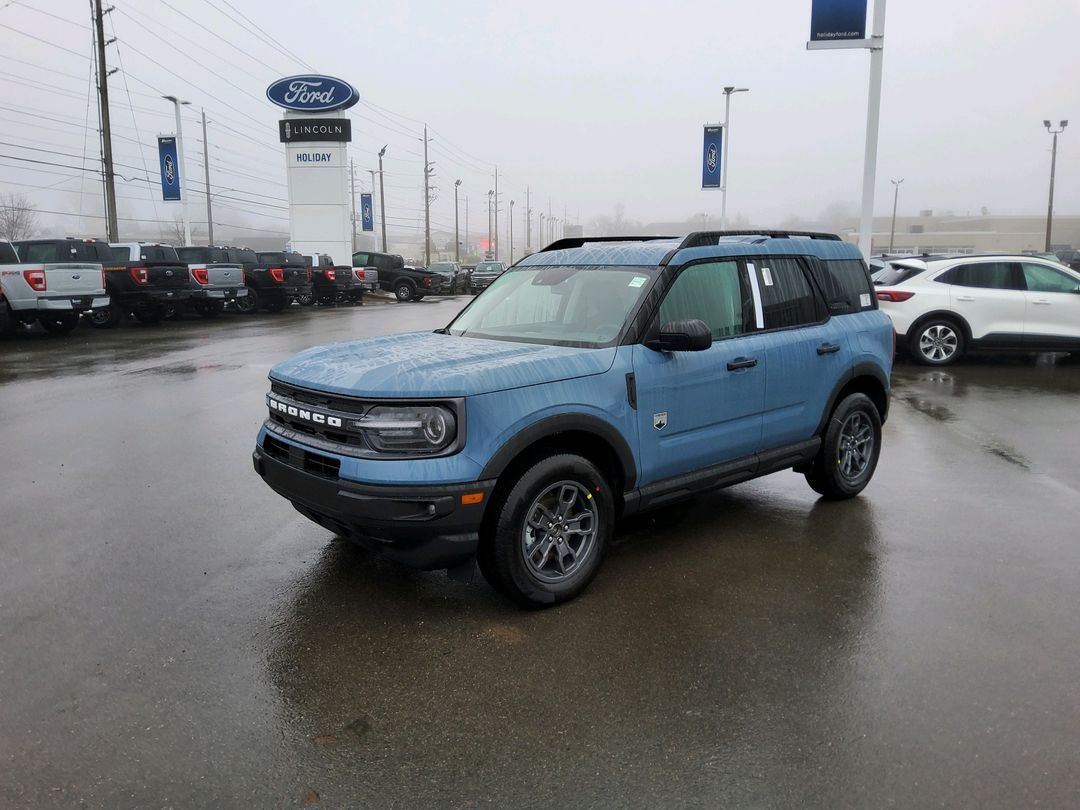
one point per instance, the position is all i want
(563, 306)
(787, 299)
(985, 275)
(1040, 278)
(712, 292)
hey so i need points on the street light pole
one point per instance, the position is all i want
(457, 235)
(1053, 169)
(510, 227)
(183, 168)
(466, 225)
(382, 200)
(896, 196)
(528, 221)
(206, 166)
(540, 231)
(490, 192)
(727, 145)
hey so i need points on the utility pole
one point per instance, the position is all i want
(540, 232)
(895, 198)
(372, 203)
(457, 235)
(496, 234)
(1053, 169)
(113, 232)
(489, 250)
(466, 225)
(510, 227)
(182, 168)
(352, 197)
(382, 200)
(206, 166)
(427, 203)
(528, 221)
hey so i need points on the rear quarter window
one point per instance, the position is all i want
(847, 286)
(8, 254)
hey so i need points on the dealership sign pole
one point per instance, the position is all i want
(842, 24)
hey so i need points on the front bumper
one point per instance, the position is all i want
(423, 526)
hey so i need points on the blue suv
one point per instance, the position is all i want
(591, 380)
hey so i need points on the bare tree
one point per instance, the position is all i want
(18, 218)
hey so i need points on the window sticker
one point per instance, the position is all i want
(864, 300)
(638, 281)
(766, 276)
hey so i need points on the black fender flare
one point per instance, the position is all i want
(858, 370)
(562, 423)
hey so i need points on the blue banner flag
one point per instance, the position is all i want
(837, 20)
(367, 212)
(170, 168)
(710, 157)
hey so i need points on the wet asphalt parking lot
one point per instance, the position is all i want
(174, 634)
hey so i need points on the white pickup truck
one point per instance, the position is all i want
(54, 295)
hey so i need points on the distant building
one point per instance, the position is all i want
(928, 233)
(573, 231)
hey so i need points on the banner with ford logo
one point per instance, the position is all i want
(367, 214)
(710, 157)
(832, 20)
(169, 164)
(312, 93)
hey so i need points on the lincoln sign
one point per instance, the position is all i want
(291, 130)
(312, 93)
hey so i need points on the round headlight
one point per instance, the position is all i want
(435, 426)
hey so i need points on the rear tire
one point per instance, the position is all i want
(7, 320)
(149, 314)
(275, 305)
(548, 535)
(938, 342)
(107, 317)
(59, 323)
(849, 452)
(209, 308)
(247, 304)
(404, 291)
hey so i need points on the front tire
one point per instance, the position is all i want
(548, 537)
(849, 452)
(59, 323)
(938, 342)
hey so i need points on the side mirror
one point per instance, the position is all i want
(683, 336)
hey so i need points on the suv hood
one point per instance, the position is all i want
(424, 364)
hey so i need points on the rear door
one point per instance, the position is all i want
(1052, 299)
(806, 353)
(989, 295)
(697, 409)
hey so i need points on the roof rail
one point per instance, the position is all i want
(580, 241)
(703, 238)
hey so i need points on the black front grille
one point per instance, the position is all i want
(314, 463)
(318, 399)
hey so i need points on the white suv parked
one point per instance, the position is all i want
(942, 307)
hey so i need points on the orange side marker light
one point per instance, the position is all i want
(471, 498)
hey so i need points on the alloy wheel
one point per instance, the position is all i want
(855, 448)
(939, 343)
(559, 532)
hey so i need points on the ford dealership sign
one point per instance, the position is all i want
(312, 93)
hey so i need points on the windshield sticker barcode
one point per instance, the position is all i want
(638, 281)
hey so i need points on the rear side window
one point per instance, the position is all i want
(985, 275)
(360, 260)
(7, 254)
(787, 297)
(712, 292)
(1040, 278)
(847, 287)
(44, 252)
(242, 256)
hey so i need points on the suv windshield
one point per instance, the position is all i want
(561, 306)
(489, 267)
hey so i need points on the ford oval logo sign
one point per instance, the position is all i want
(312, 93)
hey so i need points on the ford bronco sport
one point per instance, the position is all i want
(593, 379)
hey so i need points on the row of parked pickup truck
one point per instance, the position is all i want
(57, 281)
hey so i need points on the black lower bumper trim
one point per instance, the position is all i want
(423, 527)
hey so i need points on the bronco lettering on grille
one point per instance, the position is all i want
(300, 413)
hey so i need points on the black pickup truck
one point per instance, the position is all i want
(142, 279)
(278, 279)
(333, 284)
(407, 283)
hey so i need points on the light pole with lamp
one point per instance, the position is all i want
(540, 232)
(457, 236)
(727, 145)
(491, 192)
(895, 198)
(183, 168)
(1053, 168)
(382, 200)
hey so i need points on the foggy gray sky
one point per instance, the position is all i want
(592, 103)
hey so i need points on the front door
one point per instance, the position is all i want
(696, 409)
(989, 295)
(1053, 308)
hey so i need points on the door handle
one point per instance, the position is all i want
(828, 348)
(964, 298)
(741, 362)
(1041, 302)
